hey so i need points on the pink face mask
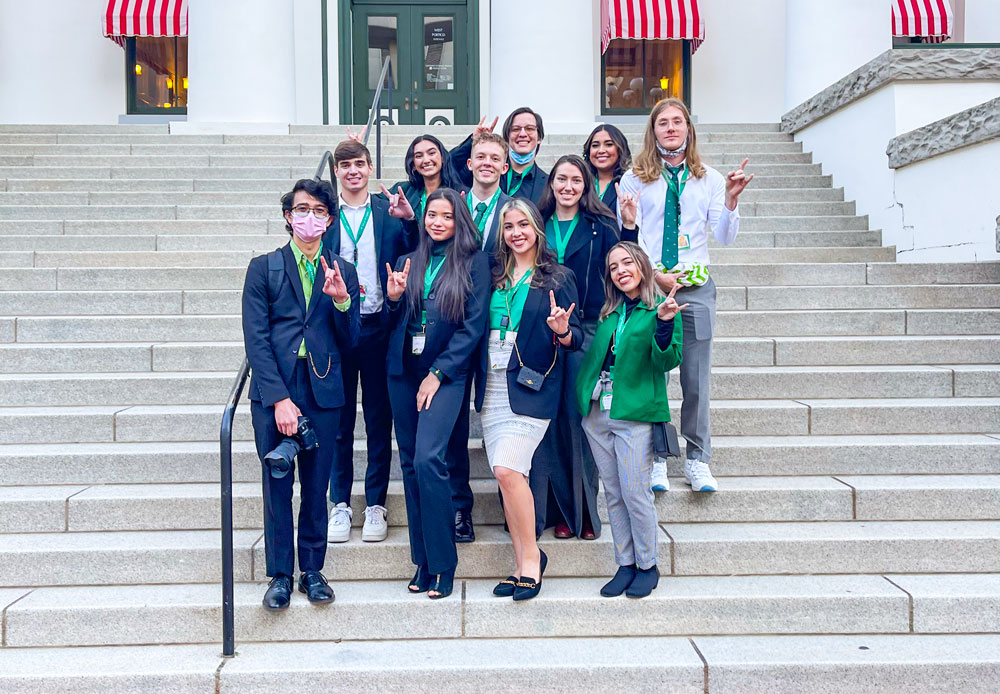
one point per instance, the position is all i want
(308, 227)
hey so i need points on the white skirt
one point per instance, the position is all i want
(511, 439)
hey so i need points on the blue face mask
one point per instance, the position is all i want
(522, 159)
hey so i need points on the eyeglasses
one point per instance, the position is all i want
(528, 129)
(320, 212)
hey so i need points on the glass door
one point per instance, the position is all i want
(438, 33)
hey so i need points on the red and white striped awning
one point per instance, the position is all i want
(651, 19)
(125, 18)
(928, 19)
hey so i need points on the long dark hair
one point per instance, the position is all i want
(454, 283)
(590, 204)
(416, 180)
(624, 162)
(546, 269)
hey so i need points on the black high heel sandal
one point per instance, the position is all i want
(421, 579)
(527, 587)
(442, 584)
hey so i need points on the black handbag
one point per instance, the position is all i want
(665, 443)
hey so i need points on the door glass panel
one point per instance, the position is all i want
(638, 73)
(439, 53)
(382, 43)
(160, 72)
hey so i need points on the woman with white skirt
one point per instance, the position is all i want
(532, 321)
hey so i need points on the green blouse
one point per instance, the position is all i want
(507, 305)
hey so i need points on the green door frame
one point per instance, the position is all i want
(344, 49)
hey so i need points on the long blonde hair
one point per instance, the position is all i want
(649, 163)
(649, 293)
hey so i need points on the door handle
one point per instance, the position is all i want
(415, 104)
(406, 104)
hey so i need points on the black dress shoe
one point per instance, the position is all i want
(279, 593)
(505, 588)
(420, 582)
(620, 583)
(464, 532)
(528, 588)
(442, 585)
(314, 585)
(644, 582)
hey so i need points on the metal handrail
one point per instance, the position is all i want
(226, 483)
(375, 114)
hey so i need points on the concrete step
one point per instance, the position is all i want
(804, 223)
(916, 349)
(921, 296)
(934, 273)
(849, 240)
(903, 416)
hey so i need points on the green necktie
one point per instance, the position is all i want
(480, 211)
(671, 216)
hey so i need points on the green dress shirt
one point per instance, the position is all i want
(307, 274)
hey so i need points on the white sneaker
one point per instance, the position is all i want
(339, 529)
(697, 474)
(375, 528)
(660, 481)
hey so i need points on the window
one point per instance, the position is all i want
(638, 73)
(156, 74)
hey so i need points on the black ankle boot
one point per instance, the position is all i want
(622, 580)
(645, 581)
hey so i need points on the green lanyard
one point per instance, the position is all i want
(597, 185)
(672, 181)
(361, 229)
(489, 210)
(622, 320)
(311, 265)
(429, 275)
(507, 322)
(560, 241)
(423, 203)
(510, 173)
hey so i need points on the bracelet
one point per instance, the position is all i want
(568, 332)
(436, 373)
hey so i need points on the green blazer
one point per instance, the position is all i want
(640, 390)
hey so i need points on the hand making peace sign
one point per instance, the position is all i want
(558, 320)
(396, 281)
(736, 181)
(399, 205)
(668, 308)
(333, 283)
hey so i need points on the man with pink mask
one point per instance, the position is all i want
(300, 314)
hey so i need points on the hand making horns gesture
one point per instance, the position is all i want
(558, 320)
(481, 127)
(399, 205)
(668, 308)
(396, 281)
(736, 181)
(333, 282)
(359, 136)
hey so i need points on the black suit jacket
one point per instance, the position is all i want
(393, 238)
(538, 345)
(454, 347)
(493, 231)
(273, 328)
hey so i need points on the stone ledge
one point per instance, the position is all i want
(969, 127)
(894, 66)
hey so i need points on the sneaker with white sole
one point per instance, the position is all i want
(375, 528)
(339, 529)
(660, 483)
(697, 474)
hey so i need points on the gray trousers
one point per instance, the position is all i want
(623, 452)
(696, 368)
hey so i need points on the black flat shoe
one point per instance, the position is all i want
(279, 593)
(420, 582)
(314, 585)
(644, 583)
(442, 585)
(505, 588)
(464, 532)
(620, 583)
(527, 587)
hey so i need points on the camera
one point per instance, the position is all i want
(279, 461)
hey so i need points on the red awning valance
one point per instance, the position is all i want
(928, 19)
(145, 18)
(651, 19)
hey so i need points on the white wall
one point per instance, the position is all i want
(308, 31)
(964, 227)
(828, 40)
(55, 64)
(982, 21)
(552, 67)
(920, 103)
(738, 73)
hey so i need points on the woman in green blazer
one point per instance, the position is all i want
(621, 391)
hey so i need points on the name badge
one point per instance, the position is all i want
(499, 359)
(606, 401)
(419, 340)
(683, 242)
(500, 349)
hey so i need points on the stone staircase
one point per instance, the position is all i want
(855, 545)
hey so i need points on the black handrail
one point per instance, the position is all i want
(375, 114)
(226, 482)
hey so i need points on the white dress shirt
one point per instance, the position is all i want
(489, 218)
(703, 201)
(370, 289)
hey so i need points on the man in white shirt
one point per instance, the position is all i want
(369, 232)
(665, 203)
(487, 162)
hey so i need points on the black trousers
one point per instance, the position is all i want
(368, 363)
(458, 456)
(423, 441)
(314, 474)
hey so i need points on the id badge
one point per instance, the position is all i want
(683, 242)
(498, 359)
(362, 291)
(419, 340)
(606, 401)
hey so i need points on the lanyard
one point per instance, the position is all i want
(361, 229)
(597, 185)
(507, 322)
(622, 320)
(489, 210)
(311, 265)
(561, 242)
(423, 203)
(516, 188)
(430, 274)
(672, 181)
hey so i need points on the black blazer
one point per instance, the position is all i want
(531, 189)
(610, 196)
(393, 238)
(585, 256)
(538, 344)
(413, 194)
(273, 328)
(493, 232)
(455, 348)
